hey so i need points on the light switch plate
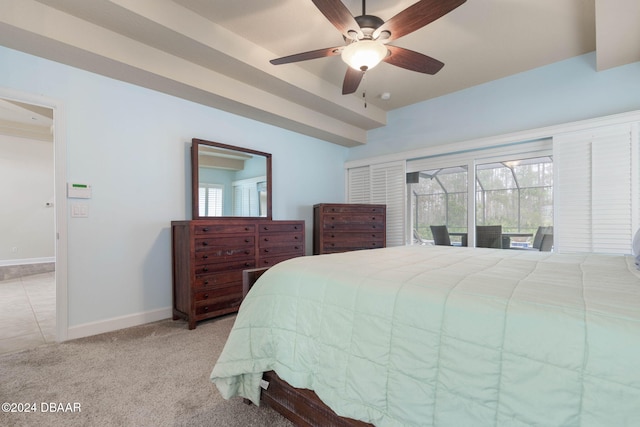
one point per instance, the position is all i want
(80, 210)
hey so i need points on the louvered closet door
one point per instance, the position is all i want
(359, 185)
(382, 184)
(597, 189)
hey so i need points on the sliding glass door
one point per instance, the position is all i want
(513, 194)
(439, 197)
(516, 194)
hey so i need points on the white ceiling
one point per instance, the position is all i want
(217, 52)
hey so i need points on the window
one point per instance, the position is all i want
(210, 199)
(516, 194)
(439, 197)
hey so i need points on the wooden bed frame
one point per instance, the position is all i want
(300, 406)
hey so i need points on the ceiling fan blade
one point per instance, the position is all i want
(415, 17)
(304, 56)
(338, 14)
(413, 61)
(352, 80)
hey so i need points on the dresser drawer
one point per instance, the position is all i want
(213, 295)
(229, 265)
(204, 229)
(280, 227)
(223, 255)
(353, 226)
(223, 243)
(273, 260)
(366, 236)
(352, 245)
(281, 249)
(227, 304)
(217, 280)
(268, 240)
(353, 209)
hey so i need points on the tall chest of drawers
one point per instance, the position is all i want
(210, 255)
(340, 227)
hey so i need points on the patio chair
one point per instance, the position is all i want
(418, 239)
(537, 239)
(546, 244)
(489, 236)
(440, 235)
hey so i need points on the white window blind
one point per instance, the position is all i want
(597, 189)
(382, 184)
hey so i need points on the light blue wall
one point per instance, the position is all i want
(131, 144)
(563, 92)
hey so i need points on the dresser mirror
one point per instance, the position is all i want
(229, 181)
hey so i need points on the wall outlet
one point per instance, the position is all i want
(14, 249)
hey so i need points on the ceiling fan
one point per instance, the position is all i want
(367, 37)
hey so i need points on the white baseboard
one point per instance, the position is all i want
(26, 261)
(109, 325)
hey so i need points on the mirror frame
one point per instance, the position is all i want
(195, 143)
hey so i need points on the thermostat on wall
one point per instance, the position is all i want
(78, 191)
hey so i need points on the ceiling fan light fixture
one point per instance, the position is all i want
(364, 54)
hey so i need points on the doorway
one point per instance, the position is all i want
(33, 251)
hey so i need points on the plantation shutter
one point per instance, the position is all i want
(359, 188)
(388, 188)
(382, 184)
(596, 189)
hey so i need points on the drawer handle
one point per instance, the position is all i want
(296, 247)
(247, 240)
(266, 251)
(206, 282)
(266, 239)
(206, 308)
(265, 228)
(247, 252)
(295, 237)
(333, 226)
(205, 229)
(333, 235)
(205, 244)
(206, 295)
(295, 227)
(373, 218)
(246, 229)
(247, 264)
(205, 269)
(205, 256)
(266, 261)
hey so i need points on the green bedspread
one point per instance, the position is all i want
(431, 335)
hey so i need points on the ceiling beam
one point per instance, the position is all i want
(204, 72)
(617, 33)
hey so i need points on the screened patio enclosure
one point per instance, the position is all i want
(516, 194)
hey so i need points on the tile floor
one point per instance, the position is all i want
(27, 312)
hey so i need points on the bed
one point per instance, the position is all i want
(432, 335)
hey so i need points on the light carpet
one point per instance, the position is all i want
(150, 375)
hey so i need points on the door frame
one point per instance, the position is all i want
(60, 200)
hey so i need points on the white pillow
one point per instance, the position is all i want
(635, 246)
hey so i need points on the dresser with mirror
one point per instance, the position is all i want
(232, 231)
